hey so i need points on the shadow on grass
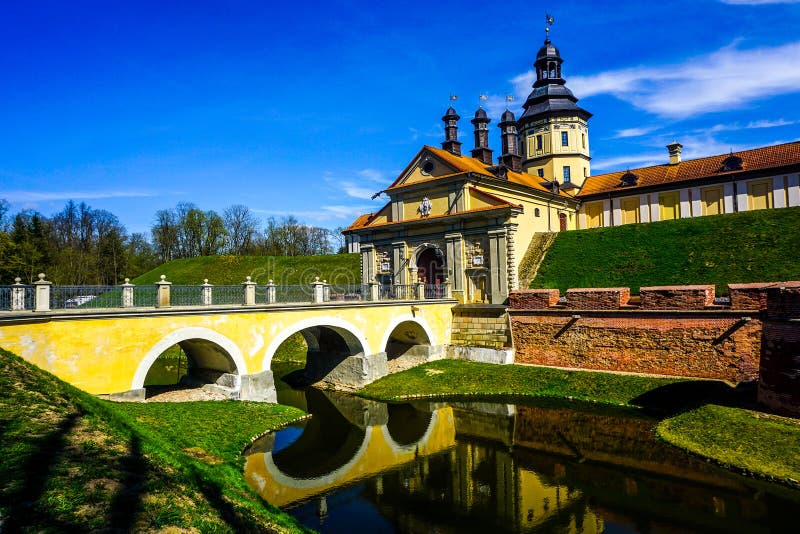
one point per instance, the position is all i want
(682, 396)
(127, 502)
(23, 504)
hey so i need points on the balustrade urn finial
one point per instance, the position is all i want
(163, 277)
(205, 280)
(18, 280)
(247, 278)
(41, 276)
(127, 280)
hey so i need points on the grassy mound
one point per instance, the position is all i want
(764, 445)
(756, 246)
(339, 269)
(74, 463)
(458, 378)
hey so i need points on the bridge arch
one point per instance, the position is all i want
(351, 335)
(408, 441)
(405, 331)
(183, 335)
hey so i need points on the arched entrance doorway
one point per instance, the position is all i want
(431, 267)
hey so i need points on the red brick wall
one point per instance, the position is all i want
(779, 381)
(677, 297)
(753, 296)
(533, 299)
(602, 298)
(712, 344)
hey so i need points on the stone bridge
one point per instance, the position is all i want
(111, 351)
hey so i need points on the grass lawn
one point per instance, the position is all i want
(762, 444)
(458, 378)
(739, 247)
(338, 269)
(72, 462)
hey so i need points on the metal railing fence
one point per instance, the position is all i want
(85, 297)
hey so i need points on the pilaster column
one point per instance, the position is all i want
(511, 255)
(498, 266)
(367, 264)
(42, 294)
(454, 249)
(400, 274)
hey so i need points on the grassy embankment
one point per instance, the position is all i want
(765, 446)
(339, 269)
(756, 246)
(72, 462)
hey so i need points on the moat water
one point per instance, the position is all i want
(428, 466)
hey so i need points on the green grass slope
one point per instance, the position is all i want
(757, 246)
(75, 463)
(339, 269)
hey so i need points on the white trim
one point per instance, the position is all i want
(326, 320)
(655, 212)
(410, 318)
(325, 480)
(794, 190)
(606, 212)
(727, 193)
(617, 212)
(742, 203)
(685, 209)
(778, 192)
(697, 204)
(192, 332)
(644, 209)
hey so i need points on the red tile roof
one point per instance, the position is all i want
(763, 158)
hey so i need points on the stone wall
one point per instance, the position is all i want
(480, 325)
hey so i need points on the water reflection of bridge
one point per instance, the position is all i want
(466, 467)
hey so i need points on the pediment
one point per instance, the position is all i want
(425, 166)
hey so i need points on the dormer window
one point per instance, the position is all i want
(629, 179)
(731, 163)
(427, 167)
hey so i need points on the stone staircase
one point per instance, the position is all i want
(534, 256)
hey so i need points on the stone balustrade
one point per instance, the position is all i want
(44, 296)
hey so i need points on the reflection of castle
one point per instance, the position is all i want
(477, 467)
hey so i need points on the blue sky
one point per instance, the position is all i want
(310, 108)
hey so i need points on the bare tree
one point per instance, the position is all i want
(242, 226)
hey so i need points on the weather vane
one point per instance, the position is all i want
(483, 97)
(549, 20)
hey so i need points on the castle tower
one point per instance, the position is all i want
(451, 142)
(508, 138)
(482, 151)
(553, 130)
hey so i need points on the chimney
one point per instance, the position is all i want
(674, 152)
(451, 142)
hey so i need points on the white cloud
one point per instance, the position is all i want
(722, 80)
(46, 196)
(357, 191)
(621, 162)
(336, 212)
(373, 175)
(635, 132)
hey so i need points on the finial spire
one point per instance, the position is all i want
(548, 21)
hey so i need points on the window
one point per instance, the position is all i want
(536, 212)
(566, 174)
(540, 172)
(539, 142)
(583, 140)
(564, 139)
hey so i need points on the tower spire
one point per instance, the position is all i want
(451, 142)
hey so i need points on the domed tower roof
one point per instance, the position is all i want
(507, 116)
(451, 112)
(481, 114)
(550, 95)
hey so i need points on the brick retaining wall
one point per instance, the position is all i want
(709, 345)
(599, 298)
(677, 297)
(779, 381)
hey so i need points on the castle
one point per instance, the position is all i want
(468, 220)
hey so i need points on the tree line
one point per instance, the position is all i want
(80, 245)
